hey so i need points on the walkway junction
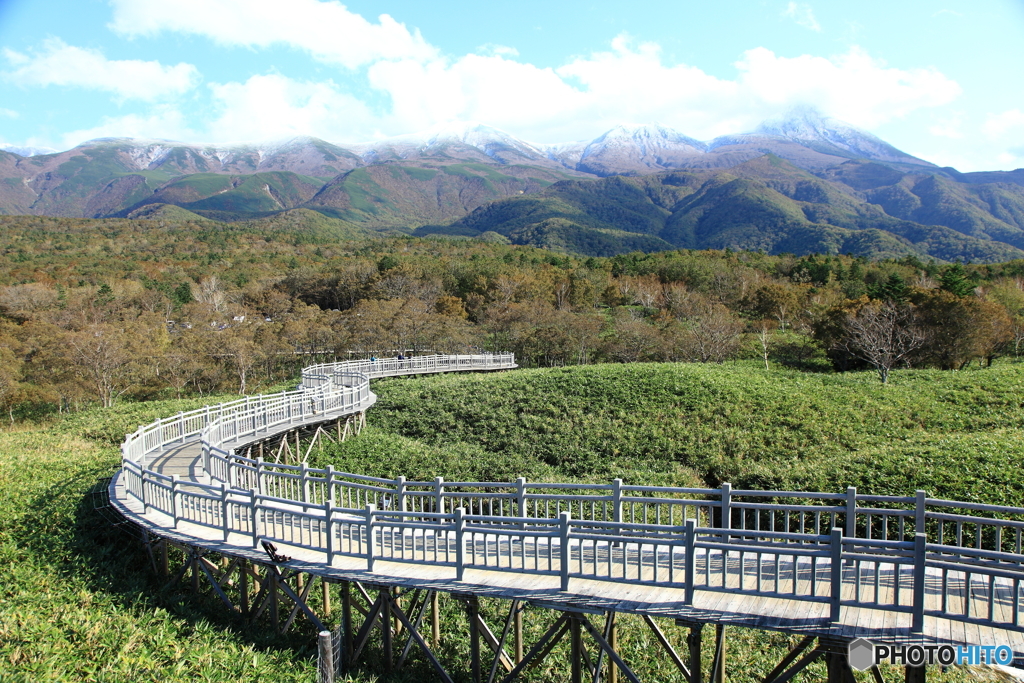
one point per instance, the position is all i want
(231, 482)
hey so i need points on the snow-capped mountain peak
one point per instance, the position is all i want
(808, 125)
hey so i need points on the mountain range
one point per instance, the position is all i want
(804, 183)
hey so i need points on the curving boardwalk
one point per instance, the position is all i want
(835, 565)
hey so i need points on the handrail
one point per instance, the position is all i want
(686, 537)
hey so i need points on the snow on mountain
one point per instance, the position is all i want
(27, 151)
(807, 125)
(804, 137)
(646, 140)
(492, 142)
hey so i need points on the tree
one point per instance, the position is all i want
(774, 300)
(956, 280)
(959, 329)
(764, 333)
(893, 289)
(108, 357)
(883, 334)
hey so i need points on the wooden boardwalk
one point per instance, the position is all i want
(727, 565)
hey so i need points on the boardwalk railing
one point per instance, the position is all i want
(924, 556)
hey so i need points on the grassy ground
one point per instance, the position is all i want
(957, 435)
(78, 601)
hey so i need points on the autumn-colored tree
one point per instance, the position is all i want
(775, 300)
(959, 329)
(710, 331)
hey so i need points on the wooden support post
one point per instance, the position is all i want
(718, 668)
(473, 610)
(914, 674)
(275, 617)
(298, 448)
(338, 426)
(613, 641)
(386, 632)
(693, 644)
(193, 553)
(346, 622)
(164, 558)
(326, 657)
(325, 589)
(398, 603)
(435, 620)
(575, 650)
(243, 587)
(517, 628)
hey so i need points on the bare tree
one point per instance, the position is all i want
(883, 334)
(764, 332)
(107, 357)
(713, 332)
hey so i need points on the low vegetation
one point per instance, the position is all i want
(82, 604)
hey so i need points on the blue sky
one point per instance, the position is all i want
(940, 80)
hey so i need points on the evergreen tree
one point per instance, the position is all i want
(956, 280)
(894, 289)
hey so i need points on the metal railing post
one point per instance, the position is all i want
(439, 495)
(255, 516)
(175, 505)
(224, 510)
(617, 500)
(919, 512)
(370, 509)
(400, 501)
(521, 500)
(691, 558)
(459, 521)
(851, 511)
(726, 510)
(920, 559)
(836, 559)
(563, 550)
(305, 485)
(329, 523)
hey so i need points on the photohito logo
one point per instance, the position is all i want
(863, 654)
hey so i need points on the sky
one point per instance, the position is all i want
(942, 80)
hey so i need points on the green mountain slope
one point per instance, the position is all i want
(393, 195)
(764, 204)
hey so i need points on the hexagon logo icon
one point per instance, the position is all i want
(861, 654)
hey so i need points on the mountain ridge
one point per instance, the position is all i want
(801, 183)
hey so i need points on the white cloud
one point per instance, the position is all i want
(58, 63)
(949, 127)
(1009, 122)
(852, 86)
(164, 123)
(326, 30)
(632, 82)
(803, 15)
(9, 113)
(498, 50)
(273, 106)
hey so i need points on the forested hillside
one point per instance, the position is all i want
(96, 311)
(766, 204)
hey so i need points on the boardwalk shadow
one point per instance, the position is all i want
(64, 531)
